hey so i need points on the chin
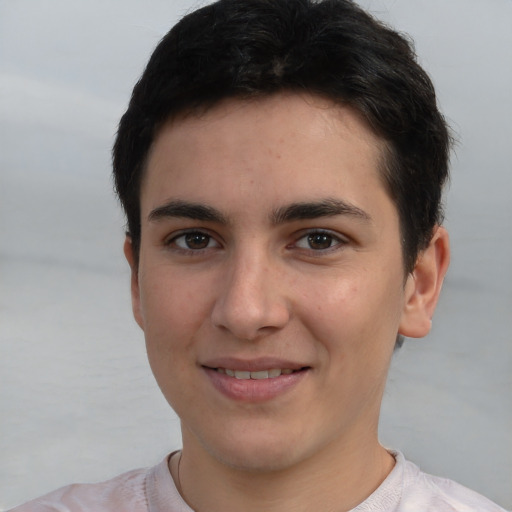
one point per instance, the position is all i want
(255, 450)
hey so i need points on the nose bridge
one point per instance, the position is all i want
(250, 301)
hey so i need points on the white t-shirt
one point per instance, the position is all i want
(406, 489)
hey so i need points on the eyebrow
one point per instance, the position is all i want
(295, 211)
(312, 210)
(186, 210)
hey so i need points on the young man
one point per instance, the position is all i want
(281, 166)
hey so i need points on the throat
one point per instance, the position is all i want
(315, 485)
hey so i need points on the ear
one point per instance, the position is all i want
(423, 286)
(134, 282)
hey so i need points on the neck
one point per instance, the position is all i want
(336, 478)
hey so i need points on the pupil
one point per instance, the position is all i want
(197, 240)
(319, 241)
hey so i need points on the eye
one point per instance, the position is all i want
(319, 241)
(194, 241)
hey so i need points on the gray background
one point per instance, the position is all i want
(77, 399)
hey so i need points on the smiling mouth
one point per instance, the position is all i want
(259, 375)
(255, 381)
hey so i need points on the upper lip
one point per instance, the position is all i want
(252, 365)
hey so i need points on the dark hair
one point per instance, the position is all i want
(331, 48)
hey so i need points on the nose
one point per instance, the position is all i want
(251, 301)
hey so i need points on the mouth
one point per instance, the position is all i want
(255, 382)
(271, 373)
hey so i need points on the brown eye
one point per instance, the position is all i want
(197, 240)
(319, 241)
(194, 241)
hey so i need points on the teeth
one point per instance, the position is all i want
(263, 374)
(259, 375)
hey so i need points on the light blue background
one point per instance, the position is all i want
(77, 399)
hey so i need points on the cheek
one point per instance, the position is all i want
(173, 306)
(354, 312)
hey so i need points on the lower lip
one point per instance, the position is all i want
(253, 390)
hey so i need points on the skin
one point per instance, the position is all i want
(325, 293)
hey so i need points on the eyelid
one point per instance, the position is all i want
(341, 240)
(168, 240)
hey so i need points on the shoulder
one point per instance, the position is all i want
(125, 492)
(432, 493)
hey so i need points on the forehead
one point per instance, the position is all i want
(285, 147)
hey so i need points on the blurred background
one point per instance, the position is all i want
(77, 399)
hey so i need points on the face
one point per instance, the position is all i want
(270, 285)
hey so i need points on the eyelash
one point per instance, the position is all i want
(172, 242)
(335, 240)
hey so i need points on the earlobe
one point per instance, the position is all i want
(134, 280)
(424, 285)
